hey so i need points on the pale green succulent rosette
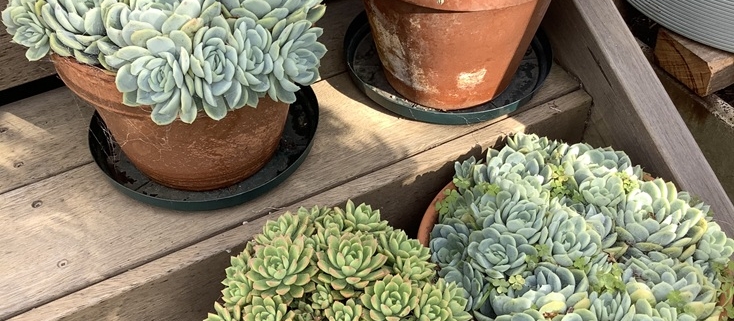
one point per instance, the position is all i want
(267, 308)
(609, 306)
(268, 13)
(76, 28)
(24, 22)
(414, 269)
(362, 218)
(677, 284)
(572, 242)
(397, 245)
(348, 311)
(476, 289)
(289, 225)
(238, 289)
(350, 263)
(654, 219)
(523, 218)
(442, 301)
(714, 246)
(448, 243)
(158, 76)
(550, 290)
(213, 62)
(296, 55)
(254, 63)
(498, 255)
(389, 299)
(282, 268)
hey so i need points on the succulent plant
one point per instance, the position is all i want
(341, 263)
(181, 57)
(348, 311)
(282, 268)
(76, 28)
(571, 232)
(441, 302)
(23, 21)
(390, 299)
(351, 262)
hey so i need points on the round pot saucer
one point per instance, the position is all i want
(366, 71)
(294, 146)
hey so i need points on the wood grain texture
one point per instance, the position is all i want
(42, 136)
(85, 231)
(710, 120)
(632, 111)
(15, 69)
(701, 68)
(184, 284)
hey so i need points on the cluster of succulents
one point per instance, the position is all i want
(181, 57)
(336, 264)
(545, 230)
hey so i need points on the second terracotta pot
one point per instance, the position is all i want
(204, 155)
(453, 55)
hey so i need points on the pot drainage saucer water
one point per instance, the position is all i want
(294, 146)
(366, 70)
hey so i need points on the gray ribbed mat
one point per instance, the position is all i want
(709, 22)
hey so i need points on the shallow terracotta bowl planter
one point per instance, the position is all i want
(456, 54)
(204, 155)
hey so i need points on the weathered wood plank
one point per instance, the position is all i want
(701, 68)
(632, 111)
(42, 136)
(15, 69)
(85, 231)
(185, 284)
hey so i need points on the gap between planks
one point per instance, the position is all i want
(185, 283)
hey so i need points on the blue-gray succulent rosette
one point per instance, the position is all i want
(181, 57)
(545, 230)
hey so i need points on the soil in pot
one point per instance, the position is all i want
(454, 55)
(204, 155)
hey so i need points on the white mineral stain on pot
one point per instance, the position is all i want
(469, 80)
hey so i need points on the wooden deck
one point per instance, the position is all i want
(74, 248)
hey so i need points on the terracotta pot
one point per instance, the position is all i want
(454, 55)
(205, 155)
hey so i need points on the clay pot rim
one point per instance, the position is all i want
(467, 5)
(106, 75)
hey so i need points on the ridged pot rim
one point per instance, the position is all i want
(467, 5)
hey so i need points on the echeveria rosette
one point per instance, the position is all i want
(289, 225)
(442, 301)
(238, 289)
(322, 297)
(397, 245)
(23, 21)
(158, 76)
(572, 242)
(76, 27)
(282, 268)
(350, 262)
(213, 62)
(678, 284)
(714, 246)
(654, 219)
(363, 218)
(389, 299)
(296, 55)
(252, 42)
(606, 191)
(476, 288)
(550, 290)
(267, 308)
(347, 311)
(268, 13)
(414, 269)
(523, 218)
(498, 255)
(448, 243)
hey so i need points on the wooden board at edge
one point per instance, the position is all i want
(185, 284)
